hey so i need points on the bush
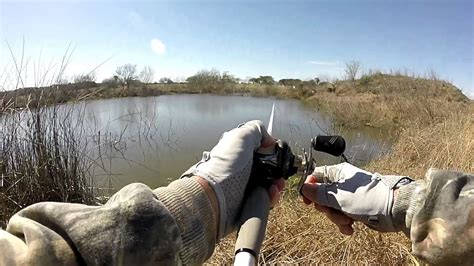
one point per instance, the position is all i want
(365, 80)
(111, 82)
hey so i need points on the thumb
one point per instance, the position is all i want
(317, 193)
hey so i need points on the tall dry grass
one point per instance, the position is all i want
(43, 157)
(44, 151)
(448, 144)
(428, 132)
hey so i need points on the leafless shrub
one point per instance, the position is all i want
(127, 73)
(85, 78)
(352, 69)
(146, 75)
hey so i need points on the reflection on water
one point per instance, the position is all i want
(153, 140)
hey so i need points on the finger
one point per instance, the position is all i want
(346, 229)
(344, 223)
(339, 218)
(315, 192)
(249, 136)
(268, 141)
(280, 183)
(311, 179)
(322, 208)
(306, 200)
(274, 194)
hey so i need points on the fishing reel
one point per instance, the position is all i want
(333, 144)
(273, 163)
(280, 162)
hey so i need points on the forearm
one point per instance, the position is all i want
(408, 199)
(438, 215)
(137, 226)
(133, 227)
(192, 203)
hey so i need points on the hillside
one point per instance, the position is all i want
(389, 101)
(432, 124)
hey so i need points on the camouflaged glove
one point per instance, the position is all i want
(227, 168)
(361, 195)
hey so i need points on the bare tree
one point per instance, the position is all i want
(84, 78)
(126, 73)
(146, 75)
(352, 69)
(166, 80)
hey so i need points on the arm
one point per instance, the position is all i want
(179, 223)
(437, 213)
(136, 226)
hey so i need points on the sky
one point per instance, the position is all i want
(284, 39)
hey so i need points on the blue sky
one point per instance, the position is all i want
(302, 39)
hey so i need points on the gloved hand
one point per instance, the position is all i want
(227, 168)
(347, 194)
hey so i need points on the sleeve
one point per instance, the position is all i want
(437, 213)
(137, 226)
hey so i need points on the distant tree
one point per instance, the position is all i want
(83, 81)
(228, 78)
(146, 75)
(83, 78)
(208, 76)
(126, 74)
(166, 80)
(205, 80)
(308, 83)
(289, 82)
(211, 80)
(264, 80)
(110, 83)
(352, 68)
(179, 79)
(316, 80)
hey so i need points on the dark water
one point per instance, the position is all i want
(153, 140)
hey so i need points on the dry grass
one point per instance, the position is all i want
(298, 234)
(392, 112)
(43, 157)
(445, 145)
(428, 131)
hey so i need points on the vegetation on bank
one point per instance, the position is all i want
(431, 120)
(433, 126)
(44, 156)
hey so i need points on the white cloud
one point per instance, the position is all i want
(325, 63)
(157, 46)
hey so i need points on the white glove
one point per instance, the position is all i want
(361, 195)
(227, 169)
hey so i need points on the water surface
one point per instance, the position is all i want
(154, 139)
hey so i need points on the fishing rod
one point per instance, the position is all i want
(270, 164)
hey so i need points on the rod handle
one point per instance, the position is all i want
(254, 218)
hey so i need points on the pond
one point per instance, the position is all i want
(154, 139)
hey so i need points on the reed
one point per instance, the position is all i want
(43, 157)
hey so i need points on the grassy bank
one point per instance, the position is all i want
(430, 120)
(299, 234)
(432, 129)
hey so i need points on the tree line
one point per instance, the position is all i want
(128, 75)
